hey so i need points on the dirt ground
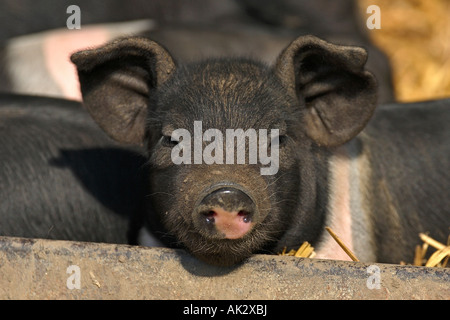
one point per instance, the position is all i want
(415, 34)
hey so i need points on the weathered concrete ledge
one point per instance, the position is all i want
(45, 269)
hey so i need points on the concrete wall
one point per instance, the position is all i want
(41, 269)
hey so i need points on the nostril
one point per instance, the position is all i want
(209, 216)
(245, 216)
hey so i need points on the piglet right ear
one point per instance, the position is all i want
(330, 83)
(116, 82)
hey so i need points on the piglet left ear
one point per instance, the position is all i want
(118, 80)
(330, 82)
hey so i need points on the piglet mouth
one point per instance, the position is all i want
(224, 252)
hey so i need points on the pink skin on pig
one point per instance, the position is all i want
(233, 225)
(58, 47)
(339, 218)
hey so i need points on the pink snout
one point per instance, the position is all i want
(233, 225)
(226, 213)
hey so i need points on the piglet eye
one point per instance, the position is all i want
(167, 141)
(282, 140)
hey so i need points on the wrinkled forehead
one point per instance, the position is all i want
(224, 94)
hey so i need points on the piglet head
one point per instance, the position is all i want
(317, 96)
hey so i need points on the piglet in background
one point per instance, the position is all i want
(37, 40)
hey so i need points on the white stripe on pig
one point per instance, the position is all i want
(347, 215)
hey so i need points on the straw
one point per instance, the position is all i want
(341, 244)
